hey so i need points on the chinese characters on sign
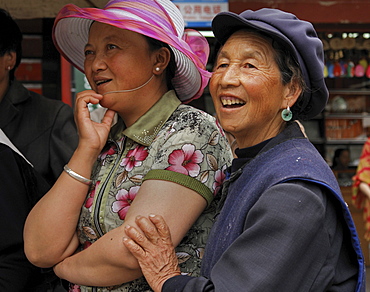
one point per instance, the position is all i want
(200, 13)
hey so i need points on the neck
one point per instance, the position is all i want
(145, 102)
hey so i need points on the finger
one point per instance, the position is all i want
(88, 96)
(148, 228)
(108, 117)
(133, 247)
(136, 236)
(90, 93)
(161, 226)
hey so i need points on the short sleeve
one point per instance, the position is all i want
(191, 150)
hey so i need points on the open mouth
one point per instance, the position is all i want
(232, 102)
(100, 82)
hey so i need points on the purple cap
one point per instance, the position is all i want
(297, 36)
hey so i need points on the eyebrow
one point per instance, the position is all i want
(247, 53)
(105, 39)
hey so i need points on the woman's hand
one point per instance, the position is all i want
(91, 134)
(154, 250)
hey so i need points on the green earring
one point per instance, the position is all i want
(287, 114)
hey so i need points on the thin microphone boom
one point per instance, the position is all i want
(129, 90)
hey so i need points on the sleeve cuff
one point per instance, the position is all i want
(176, 283)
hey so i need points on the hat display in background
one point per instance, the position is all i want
(158, 19)
(298, 36)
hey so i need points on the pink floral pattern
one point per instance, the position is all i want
(124, 199)
(186, 160)
(188, 143)
(219, 179)
(74, 288)
(86, 244)
(134, 158)
(111, 151)
(90, 198)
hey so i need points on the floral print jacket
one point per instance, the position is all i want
(172, 142)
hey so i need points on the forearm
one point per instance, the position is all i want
(50, 228)
(100, 264)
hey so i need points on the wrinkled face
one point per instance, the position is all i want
(247, 90)
(117, 59)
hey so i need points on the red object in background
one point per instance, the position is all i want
(66, 82)
(34, 87)
(29, 70)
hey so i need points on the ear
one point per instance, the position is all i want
(10, 59)
(291, 94)
(162, 58)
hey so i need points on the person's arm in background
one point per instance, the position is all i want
(365, 189)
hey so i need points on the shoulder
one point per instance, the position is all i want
(20, 95)
(49, 104)
(191, 114)
(193, 119)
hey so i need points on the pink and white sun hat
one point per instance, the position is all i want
(158, 19)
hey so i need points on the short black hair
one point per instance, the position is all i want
(10, 38)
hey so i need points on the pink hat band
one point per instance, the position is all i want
(158, 19)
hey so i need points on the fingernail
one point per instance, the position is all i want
(151, 215)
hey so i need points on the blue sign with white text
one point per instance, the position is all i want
(201, 12)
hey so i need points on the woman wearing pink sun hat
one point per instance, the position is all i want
(161, 156)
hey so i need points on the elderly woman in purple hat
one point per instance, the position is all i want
(161, 156)
(283, 225)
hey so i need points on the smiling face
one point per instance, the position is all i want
(118, 59)
(247, 89)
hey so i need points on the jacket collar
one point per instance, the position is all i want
(15, 95)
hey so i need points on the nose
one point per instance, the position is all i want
(230, 76)
(98, 62)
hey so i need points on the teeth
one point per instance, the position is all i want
(231, 101)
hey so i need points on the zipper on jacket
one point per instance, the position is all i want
(101, 193)
(103, 188)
